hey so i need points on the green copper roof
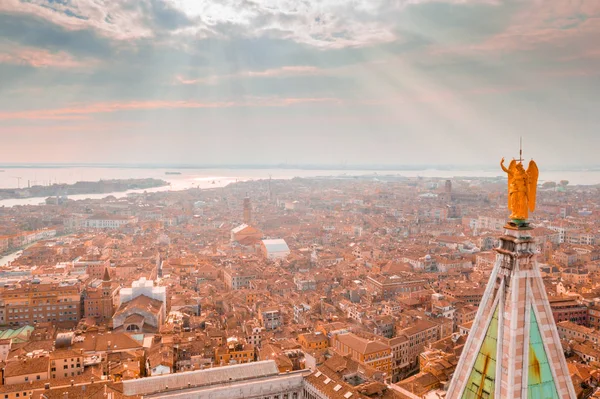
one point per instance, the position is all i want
(19, 335)
(482, 380)
(540, 383)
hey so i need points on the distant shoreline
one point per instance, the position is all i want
(367, 167)
(218, 178)
(81, 187)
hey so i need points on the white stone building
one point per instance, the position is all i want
(275, 248)
(144, 287)
(108, 221)
(250, 380)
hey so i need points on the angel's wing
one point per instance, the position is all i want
(532, 173)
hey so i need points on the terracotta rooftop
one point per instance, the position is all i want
(362, 345)
(141, 302)
(100, 342)
(27, 366)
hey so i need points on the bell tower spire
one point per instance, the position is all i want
(513, 350)
(247, 210)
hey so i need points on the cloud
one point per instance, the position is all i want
(108, 20)
(40, 58)
(562, 27)
(116, 19)
(46, 128)
(83, 111)
(451, 67)
(267, 73)
(327, 24)
(324, 24)
(27, 30)
(164, 16)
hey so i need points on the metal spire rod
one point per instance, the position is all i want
(521, 149)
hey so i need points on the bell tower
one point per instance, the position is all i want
(513, 350)
(247, 210)
(106, 302)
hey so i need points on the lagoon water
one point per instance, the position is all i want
(6, 259)
(212, 178)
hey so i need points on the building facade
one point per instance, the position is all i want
(45, 302)
(388, 287)
(251, 380)
(373, 353)
(99, 298)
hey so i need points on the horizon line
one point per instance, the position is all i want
(301, 166)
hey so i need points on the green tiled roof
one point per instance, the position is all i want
(482, 380)
(19, 335)
(540, 381)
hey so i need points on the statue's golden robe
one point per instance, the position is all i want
(522, 188)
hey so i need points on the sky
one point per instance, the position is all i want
(330, 82)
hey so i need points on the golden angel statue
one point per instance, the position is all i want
(522, 187)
